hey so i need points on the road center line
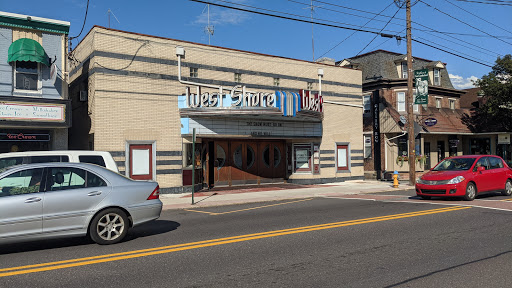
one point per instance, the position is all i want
(207, 243)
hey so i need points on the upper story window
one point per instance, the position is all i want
(238, 77)
(276, 82)
(400, 101)
(416, 108)
(404, 69)
(367, 104)
(310, 86)
(438, 102)
(194, 72)
(437, 76)
(27, 76)
(452, 104)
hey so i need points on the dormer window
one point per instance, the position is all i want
(437, 76)
(404, 70)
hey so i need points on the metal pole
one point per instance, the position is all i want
(193, 163)
(410, 100)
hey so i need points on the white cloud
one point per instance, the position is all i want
(460, 82)
(222, 16)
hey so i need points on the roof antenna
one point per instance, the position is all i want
(209, 28)
(110, 12)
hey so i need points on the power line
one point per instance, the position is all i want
(286, 13)
(440, 45)
(463, 22)
(490, 3)
(446, 51)
(478, 17)
(381, 29)
(289, 18)
(85, 18)
(356, 31)
(373, 13)
(345, 13)
(337, 26)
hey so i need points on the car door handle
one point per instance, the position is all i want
(94, 193)
(32, 200)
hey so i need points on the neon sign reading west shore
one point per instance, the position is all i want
(288, 102)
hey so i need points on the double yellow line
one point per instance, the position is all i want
(4, 272)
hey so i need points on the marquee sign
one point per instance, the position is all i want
(32, 112)
(288, 102)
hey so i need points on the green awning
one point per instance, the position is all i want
(25, 49)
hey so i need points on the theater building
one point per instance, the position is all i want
(257, 118)
(34, 105)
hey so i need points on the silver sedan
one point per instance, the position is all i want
(73, 199)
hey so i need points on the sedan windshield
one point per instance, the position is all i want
(455, 164)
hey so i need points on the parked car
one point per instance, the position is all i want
(101, 158)
(466, 176)
(73, 199)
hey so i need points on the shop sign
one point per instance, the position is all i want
(503, 138)
(430, 121)
(32, 112)
(421, 80)
(453, 143)
(239, 96)
(24, 137)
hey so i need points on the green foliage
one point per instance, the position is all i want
(495, 114)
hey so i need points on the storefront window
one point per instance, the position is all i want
(403, 145)
(302, 158)
(480, 146)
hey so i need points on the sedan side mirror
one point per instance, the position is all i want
(480, 168)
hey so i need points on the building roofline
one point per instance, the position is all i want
(206, 45)
(35, 18)
(389, 52)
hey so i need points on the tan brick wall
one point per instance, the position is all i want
(127, 105)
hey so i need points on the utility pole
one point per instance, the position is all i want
(410, 100)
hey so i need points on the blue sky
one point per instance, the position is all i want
(186, 20)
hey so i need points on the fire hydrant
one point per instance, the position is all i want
(395, 179)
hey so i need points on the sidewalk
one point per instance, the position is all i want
(249, 193)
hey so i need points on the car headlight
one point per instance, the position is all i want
(420, 181)
(456, 180)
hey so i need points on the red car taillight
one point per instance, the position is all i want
(155, 194)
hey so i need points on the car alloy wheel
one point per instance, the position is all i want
(109, 226)
(470, 192)
(508, 188)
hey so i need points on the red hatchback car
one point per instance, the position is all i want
(466, 176)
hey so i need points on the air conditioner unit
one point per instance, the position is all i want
(83, 96)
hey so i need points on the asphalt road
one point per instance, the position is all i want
(312, 242)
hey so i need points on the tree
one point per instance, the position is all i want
(495, 113)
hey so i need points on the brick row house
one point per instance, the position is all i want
(438, 124)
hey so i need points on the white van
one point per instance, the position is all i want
(101, 158)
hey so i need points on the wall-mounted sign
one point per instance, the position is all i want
(288, 102)
(24, 137)
(430, 121)
(421, 86)
(32, 112)
(503, 138)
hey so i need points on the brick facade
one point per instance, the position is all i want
(133, 90)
